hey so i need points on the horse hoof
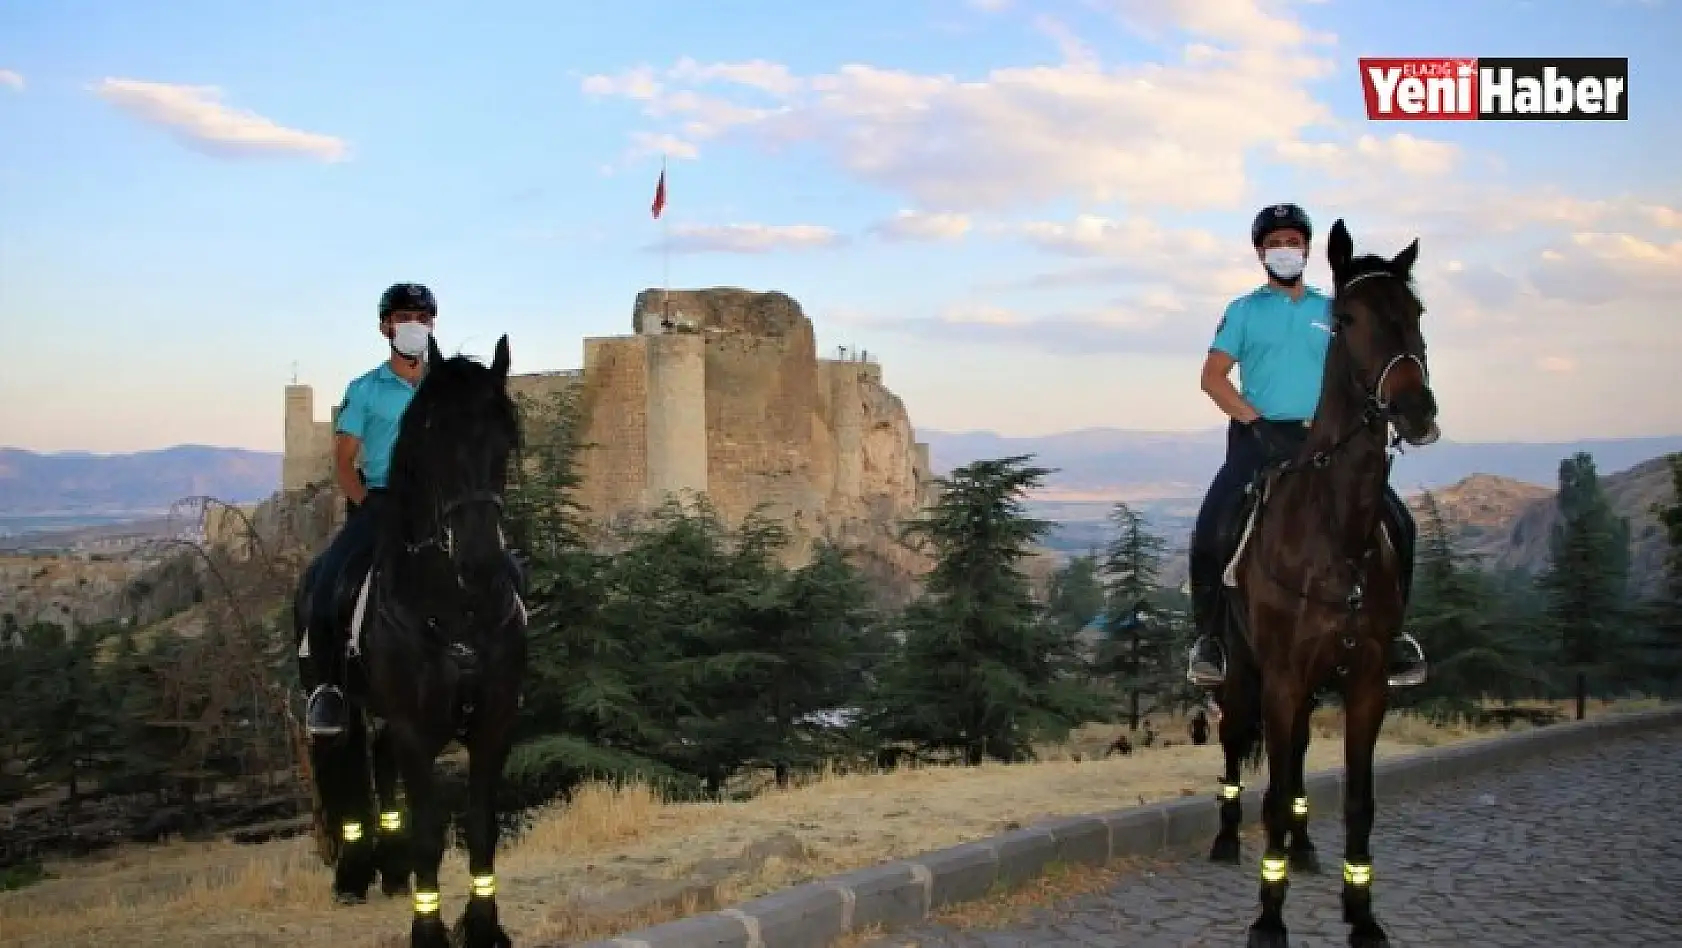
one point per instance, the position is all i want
(349, 898)
(428, 933)
(1225, 850)
(1305, 860)
(1268, 935)
(1368, 935)
(480, 936)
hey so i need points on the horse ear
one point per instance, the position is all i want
(1402, 264)
(499, 364)
(1340, 248)
(433, 356)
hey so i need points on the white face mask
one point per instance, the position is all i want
(1286, 263)
(410, 339)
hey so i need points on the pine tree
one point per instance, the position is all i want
(69, 716)
(982, 671)
(1076, 597)
(1453, 616)
(1664, 638)
(1587, 577)
(1130, 569)
(595, 706)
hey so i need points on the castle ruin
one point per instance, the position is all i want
(721, 392)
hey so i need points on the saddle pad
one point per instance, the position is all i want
(356, 617)
(1229, 576)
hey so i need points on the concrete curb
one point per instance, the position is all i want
(908, 891)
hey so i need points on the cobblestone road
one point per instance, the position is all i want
(1583, 850)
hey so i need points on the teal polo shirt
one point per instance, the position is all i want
(372, 412)
(1280, 347)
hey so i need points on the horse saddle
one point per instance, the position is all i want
(351, 595)
(1238, 525)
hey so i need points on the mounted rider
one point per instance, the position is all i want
(1278, 335)
(367, 424)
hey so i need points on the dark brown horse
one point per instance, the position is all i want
(1320, 583)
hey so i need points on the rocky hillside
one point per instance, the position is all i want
(1507, 523)
(76, 590)
(1482, 508)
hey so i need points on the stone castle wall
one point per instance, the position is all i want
(729, 399)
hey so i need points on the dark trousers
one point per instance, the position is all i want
(353, 548)
(1249, 448)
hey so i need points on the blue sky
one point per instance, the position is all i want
(1076, 177)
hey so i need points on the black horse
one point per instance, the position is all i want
(439, 656)
(1318, 598)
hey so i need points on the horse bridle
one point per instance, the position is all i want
(1375, 407)
(443, 536)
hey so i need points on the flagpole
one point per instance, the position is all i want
(665, 255)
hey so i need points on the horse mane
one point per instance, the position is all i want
(1388, 296)
(460, 413)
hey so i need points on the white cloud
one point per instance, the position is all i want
(1168, 134)
(11, 79)
(1245, 22)
(750, 238)
(980, 314)
(647, 143)
(918, 225)
(772, 78)
(1371, 155)
(1661, 216)
(1119, 326)
(1599, 268)
(1557, 365)
(197, 115)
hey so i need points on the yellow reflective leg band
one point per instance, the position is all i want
(1273, 868)
(391, 822)
(1299, 806)
(351, 832)
(1230, 791)
(484, 887)
(1357, 874)
(426, 903)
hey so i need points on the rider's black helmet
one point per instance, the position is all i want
(1280, 217)
(408, 296)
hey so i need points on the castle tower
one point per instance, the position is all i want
(677, 415)
(847, 408)
(299, 464)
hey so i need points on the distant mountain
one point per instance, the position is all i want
(74, 484)
(1116, 464)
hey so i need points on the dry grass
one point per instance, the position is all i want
(609, 841)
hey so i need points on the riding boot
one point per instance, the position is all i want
(1206, 667)
(1408, 666)
(325, 714)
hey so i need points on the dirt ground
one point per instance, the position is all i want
(590, 869)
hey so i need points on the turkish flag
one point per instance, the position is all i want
(660, 194)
